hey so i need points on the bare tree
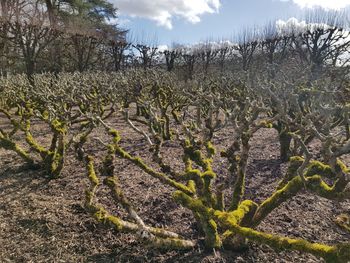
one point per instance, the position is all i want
(322, 43)
(189, 57)
(30, 32)
(275, 46)
(118, 48)
(246, 46)
(146, 54)
(207, 52)
(9, 9)
(171, 55)
(223, 53)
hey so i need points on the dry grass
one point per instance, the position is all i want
(44, 221)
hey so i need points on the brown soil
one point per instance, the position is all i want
(43, 220)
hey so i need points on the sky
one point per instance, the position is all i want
(165, 22)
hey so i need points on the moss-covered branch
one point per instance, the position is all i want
(232, 221)
(209, 226)
(8, 144)
(141, 164)
(155, 236)
(338, 253)
(313, 183)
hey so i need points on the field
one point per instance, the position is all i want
(115, 147)
(44, 220)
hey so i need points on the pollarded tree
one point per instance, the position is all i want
(224, 52)
(189, 58)
(171, 55)
(32, 39)
(247, 44)
(83, 50)
(225, 222)
(322, 43)
(24, 25)
(117, 46)
(85, 23)
(275, 46)
(207, 51)
(147, 54)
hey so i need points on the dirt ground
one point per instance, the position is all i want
(43, 220)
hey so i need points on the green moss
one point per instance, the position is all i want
(242, 216)
(108, 162)
(122, 153)
(110, 181)
(37, 147)
(206, 193)
(195, 205)
(341, 167)
(280, 196)
(296, 159)
(91, 171)
(207, 223)
(322, 169)
(191, 185)
(115, 222)
(238, 191)
(7, 144)
(317, 185)
(266, 124)
(45, 115)
(187, 143)
(88, 195)
(162, 177)
(317, 167)
(196, 156)
(100, 215)
(33, 144)
(236, 216)
(210, 149)
(115, 134)
(208, 175)
(59, 126)
(187, 161)
(193, 174)
(212, 238)
(294, 163)
(54, 162)
(281, 243)
(227, 234)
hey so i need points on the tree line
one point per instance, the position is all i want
(58, 35)
(66, 36)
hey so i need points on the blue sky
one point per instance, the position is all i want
(191, 21)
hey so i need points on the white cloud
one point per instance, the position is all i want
(162, 48)
(162, 11)
(327, 4)
(293, 25)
